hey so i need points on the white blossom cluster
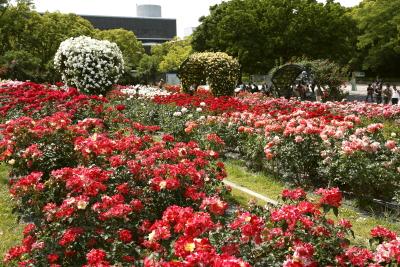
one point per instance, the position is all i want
(148, 92)
(10, 83)
(90, 65)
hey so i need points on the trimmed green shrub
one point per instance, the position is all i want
(219, 70)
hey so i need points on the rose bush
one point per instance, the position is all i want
(82, 191)
(35, 100)
(301, 142)
(109, 191)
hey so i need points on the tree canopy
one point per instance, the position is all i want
(30, 40)
(132, 49)
(177, 51)
(166, 57)
(261, 32)
(379, 38)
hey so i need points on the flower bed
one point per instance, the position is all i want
(36, 100)
(109, 191)
(87, 187)
(304, 143)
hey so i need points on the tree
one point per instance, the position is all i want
(166, 57)
(19, 28)
(19, 38)
(177, 52)
(56, 28)
(379, 39)
(261, 32)
(3, 7)
(132, 49)
(147, 69)
(25, 32)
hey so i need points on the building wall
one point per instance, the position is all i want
(147, 30)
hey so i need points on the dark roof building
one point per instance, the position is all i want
(149, 28)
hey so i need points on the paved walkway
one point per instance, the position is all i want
(359, 95)
(250, 192)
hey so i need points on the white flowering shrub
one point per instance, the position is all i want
(90, 65)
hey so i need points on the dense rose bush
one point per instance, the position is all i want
(36, 100)
(303, 143)
(354, 159)
(98, 182)
(109, 191)
(90, 65)
(296, 233)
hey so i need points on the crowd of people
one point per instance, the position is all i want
(380, 93)
(254, 88)
(377, 92)
(299, 90)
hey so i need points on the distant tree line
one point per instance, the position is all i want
(29, 41)
(261, 34)
(266, 33)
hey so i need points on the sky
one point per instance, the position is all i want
(186, 12)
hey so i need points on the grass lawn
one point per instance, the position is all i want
(10, 229)
(270, 187)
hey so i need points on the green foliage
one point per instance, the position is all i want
(379, 39)
(220, 70)
(147, 69)
(260, 32)
(3, 6)
(329, 75)
(177, 52)
(297, 162)
(20, 65)
(25, 32)
(131, 48)
(323, 73)
(166, 57)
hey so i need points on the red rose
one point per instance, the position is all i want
(125, 235)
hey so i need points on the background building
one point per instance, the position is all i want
(149, 27)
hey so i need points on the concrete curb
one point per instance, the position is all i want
(250, 192)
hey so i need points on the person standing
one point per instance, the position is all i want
(370, 93)
(378, 92)
(161, 84)
(396, 95)
(318, 94)
(387, 95)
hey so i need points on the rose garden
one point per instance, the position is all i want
(108, 175)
